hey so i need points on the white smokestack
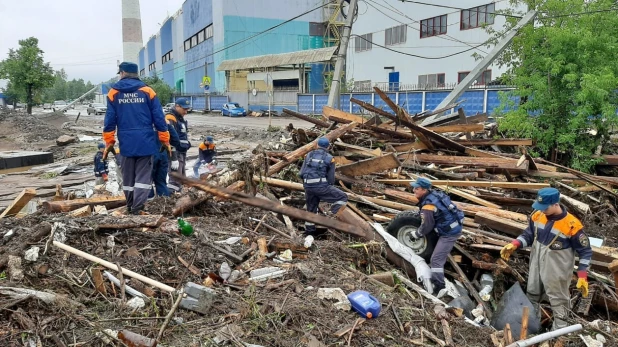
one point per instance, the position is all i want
(131, 30)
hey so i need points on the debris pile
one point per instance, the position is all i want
(80, 271)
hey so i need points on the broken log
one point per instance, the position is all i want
(438, 173)
(269, 205)
(70, 205)
(476, 184)
(315, 121)
(20, 201)
(369, 166)
(497, 163)
(458, 128)
(296, 154)
(131, 222)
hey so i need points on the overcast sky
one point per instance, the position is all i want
(82, 36)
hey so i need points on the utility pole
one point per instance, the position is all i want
(335, 85)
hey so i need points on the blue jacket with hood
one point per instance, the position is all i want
(133, 108)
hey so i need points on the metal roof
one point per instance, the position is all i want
(271, 60)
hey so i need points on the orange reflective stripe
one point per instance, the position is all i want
(568, 225)
(151, 93)
(108, 137)
(430, 207)
(202, 146)
(170, 117)
(539, 217)
(164, 136)
(112, 94)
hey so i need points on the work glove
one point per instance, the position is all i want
(509, 249)
(174, 165)
(582, 283)
(104, 177)
(165, 146)
(109, 148)
(214, 162)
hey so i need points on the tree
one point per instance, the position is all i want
(163, 90)
(26, 70)
(566, 75)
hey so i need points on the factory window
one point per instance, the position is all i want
(209, 32)
(433, 26)
(362, 86)
(484, 79)
(431, 81)
(395, 35)
(193, 41)
(363, 42)
(200, 36)
(166, 57)
(187, 45)
(142, 72)
(152, 66)
(477, 16)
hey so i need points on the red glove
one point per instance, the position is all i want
(104, 177)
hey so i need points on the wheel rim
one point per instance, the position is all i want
(404, 235)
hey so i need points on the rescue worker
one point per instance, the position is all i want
(179, 154)
(160, 165)
(318, 175)
(438, 214)
(100, 166)
(132, 109)
(555, 236)
(208, 152)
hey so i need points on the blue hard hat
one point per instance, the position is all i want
(421, 182)
(101, 145)
(323, 142)
(183, 102)
(127, 67)
(545, 198)
(209, 138)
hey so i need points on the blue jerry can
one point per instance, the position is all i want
(365, 304)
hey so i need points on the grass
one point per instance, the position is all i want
(273, 129)
(49, 175)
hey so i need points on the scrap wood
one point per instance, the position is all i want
(470, 287)
(459, 128)
(70, 205)
(270, 227)
(46, 297)
(478, 184)
(181, 295)
(369, 166)
(191, 267)
(346, 329)
(19, 202)
(131, 222)
(315, 121)
(468, 196)
(359, 149)
(434, 338)
(496, 142)
(492, 163)
(435, 172)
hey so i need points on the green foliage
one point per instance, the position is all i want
(566, 71)
(163, 90)
(26, 70)
(62, 89)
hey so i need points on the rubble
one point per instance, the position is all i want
(246, 277)
(66, 140)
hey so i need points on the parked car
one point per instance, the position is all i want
(96, 109)
(168, 107)
(233, 109)
(47, 106)
(60, 104)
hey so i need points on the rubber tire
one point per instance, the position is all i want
(412, 218)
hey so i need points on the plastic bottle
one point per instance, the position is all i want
(365, 304)
(184, 228)
(487, 284)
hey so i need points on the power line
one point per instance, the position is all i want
(247, 39)
(461, 9)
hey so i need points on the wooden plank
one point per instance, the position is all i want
(361, 150)
(458, 128)
(498, 163)
(333, 112)
(70, 205)
(369, 166)
(504, 225)
(497, 142)
(469, 197)
(306, 118)
(20, 201)
(81, 212)
(477, 184)
(464, 120)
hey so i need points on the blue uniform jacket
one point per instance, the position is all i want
(318, 168)
(562, 231)
(181, 126)
(100, 165)
(133, 108)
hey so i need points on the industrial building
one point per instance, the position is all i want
(393, 43)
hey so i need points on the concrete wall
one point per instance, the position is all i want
(158, 55)
(179, 52)
(369, 65)
(151, 55)
(167, 44)
(197, 14)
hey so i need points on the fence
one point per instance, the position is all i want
(473, 101)
(203, 102)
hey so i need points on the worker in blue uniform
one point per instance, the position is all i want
(100, 166)
(555, 236)
(318, 175)
(440, 215)
(207, 154)
(133, 109)
(160, 165)
(176, 118)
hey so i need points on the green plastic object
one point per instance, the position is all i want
(185, 228)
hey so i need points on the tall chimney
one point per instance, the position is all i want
(131, 30)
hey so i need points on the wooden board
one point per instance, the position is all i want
(497, 163)
(369, 166)
(20, 201)
(458, 128)
(496, 142)
(477, 184)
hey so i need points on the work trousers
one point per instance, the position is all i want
(137, 179)
(549, 278)
(119, 159)
(173, 184)
(443, 248)
(99, 181)
(160, 166)
(326, 193)
(196, 167)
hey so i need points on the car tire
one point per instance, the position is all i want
(88, 112)
(407, 222)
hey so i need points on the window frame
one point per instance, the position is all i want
(400, 32)
(442, 23)
(187, 43)
(201, 36)
(426, 77)
(482, 11)
(208, 32)
(362, 43)
(481, 81)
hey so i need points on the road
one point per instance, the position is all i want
(205, 119)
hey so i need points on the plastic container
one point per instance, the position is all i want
(185, 228)
(487, 283)
(365, 304)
